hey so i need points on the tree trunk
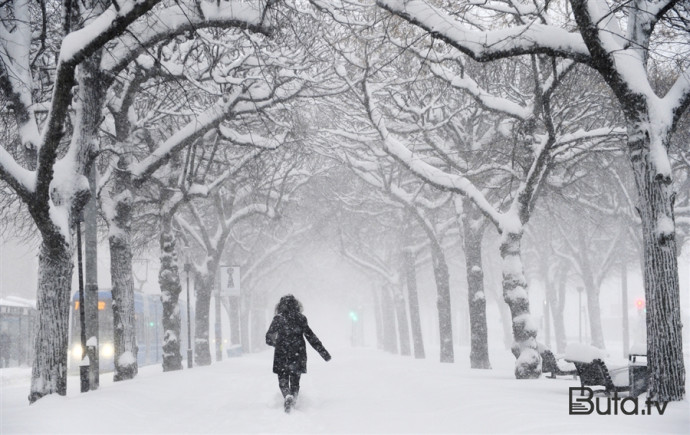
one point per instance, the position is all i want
(119, 238)
(403, 324)
(390, 337)
(556, 300)
(592, 289)
(662, 289)
(445, 322)
(203, 286)
(91, 279)
(495, 289)
(528, 361)
(258, 321)
(594, 312)
(124, 337)
(234, 318)
(169, 282)
(413, 301)
(476, 298)
(378, 318)
(49, 371)
(244, 323)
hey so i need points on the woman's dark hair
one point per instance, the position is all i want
(288, 305)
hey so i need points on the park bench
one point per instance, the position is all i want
(549, 364)
(595, 373)
(639, 374)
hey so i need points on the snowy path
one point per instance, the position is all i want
(359, 391)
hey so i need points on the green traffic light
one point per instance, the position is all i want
(353, 316)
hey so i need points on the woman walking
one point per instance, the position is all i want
(287, 333)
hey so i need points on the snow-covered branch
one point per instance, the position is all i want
(182, 16)
(533, 37)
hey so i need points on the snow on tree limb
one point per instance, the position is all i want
(238, 101)
(15, 72)
(429, 173)
(178, 18)
(22, 180)
(251, 139)
(488, 45)
(489, 101)
(370, 265)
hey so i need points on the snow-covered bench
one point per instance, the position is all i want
(557, 367)
(596, 373)
(593, 371)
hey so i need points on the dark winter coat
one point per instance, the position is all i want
(287, 333)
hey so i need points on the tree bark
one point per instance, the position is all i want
(169, 282)
(403, 324)
(662, 288)
(413, 301)
(119, 238)
(556, 300)
(378, 318)
(49, 371)
(445, 323)
(594, 311)
(203, 286)
(528, 362)
(592, 289)
(493, 285)
(390, 336)
(476, 298)
(91, 278)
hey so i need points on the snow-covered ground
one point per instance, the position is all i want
(359, 391)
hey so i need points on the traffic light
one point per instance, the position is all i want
(639, 303)
(353, 315)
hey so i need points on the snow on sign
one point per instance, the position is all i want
(230, 280)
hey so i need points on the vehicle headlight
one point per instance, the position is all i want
(77, 351)
(107, 350)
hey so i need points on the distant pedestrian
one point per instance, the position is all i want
(287, 333)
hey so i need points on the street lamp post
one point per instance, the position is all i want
(579, 311)
(190, 355)
(624, 304)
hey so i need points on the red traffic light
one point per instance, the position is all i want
(639, 303)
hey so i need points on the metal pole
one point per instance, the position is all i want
(190, 355)
(579, 311)
(83, 369)
(624, 302)
(219, 332)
